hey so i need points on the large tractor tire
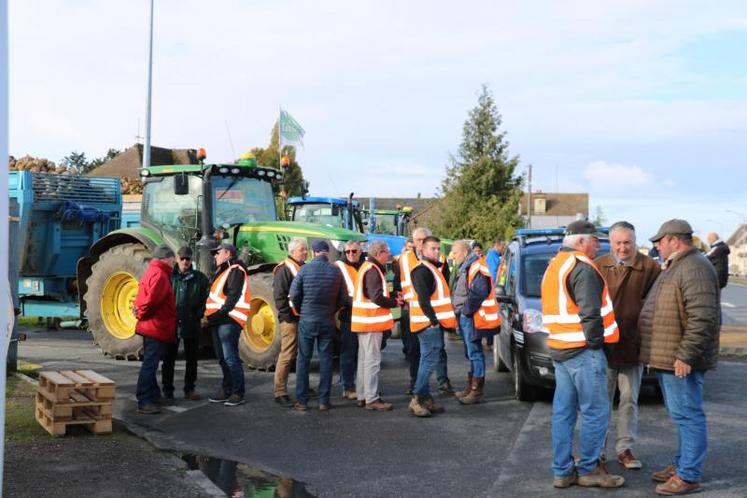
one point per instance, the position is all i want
(259, 345)
(112, 288)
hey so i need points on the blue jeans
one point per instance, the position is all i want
(431, 345)
(147, 384)
(473, 348)
(323, 333)
(226, 345)
(580, 384)
(683, 398)
(348, 355)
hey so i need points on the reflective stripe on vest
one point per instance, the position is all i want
(216, 299)
(293, 267)
(560, 314)
(368, 316)
(487, 317)
(350, 274)
(407, 262)
(440, 302)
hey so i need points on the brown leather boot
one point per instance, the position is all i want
(417, 407)
(464, 392)
(601, 478)
(677, 486)
(475, 394)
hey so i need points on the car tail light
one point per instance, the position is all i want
(531, 321)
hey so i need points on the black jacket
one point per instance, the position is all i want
(281, 284)
(719, 257)
(232, 289)
(191, 290)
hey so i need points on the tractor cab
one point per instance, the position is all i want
(329, 211)
(389, 221)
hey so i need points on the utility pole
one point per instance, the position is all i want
(146, 146)
(529, 197)
(6, 306)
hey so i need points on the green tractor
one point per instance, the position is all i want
(199, 205)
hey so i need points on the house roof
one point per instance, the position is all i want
(130, 161)
(739, 235)
(558, 204)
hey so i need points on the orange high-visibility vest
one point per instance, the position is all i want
(560, 313)
(368, 316)
(349, 274)
(407, 262)
(440, 302)
(293, 267)
(487, 317)
(216, 299)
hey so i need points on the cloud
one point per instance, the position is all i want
(604, 176)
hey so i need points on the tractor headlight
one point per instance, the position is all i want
(235, 171)
(223, 170)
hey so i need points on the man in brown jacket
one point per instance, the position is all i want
(679, 326)
(629, 275)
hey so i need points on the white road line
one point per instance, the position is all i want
(727, 305)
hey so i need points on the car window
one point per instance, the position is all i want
(510, 272)
(533, 268)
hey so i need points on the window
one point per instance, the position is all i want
(534, 267)
(323, 214)
(239, 199)
(175, 215)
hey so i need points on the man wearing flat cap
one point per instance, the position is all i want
(679, 326)
(317, 292)
(578, 316)
(155, 311)
(227, 311)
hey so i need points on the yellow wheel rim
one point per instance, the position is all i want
(259, 332)
(116, 305)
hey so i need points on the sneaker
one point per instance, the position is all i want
(664, 474)
(628, 460)
(446, 388)
(676, 486)
(565, 482)
(235, 400)
(599, 477)
(148, 409)
(219, 397)
(379, 405)
(192, 396)
(349, 394)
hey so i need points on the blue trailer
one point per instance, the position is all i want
(59, 218)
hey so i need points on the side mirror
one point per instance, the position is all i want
(181, 184)
(500, 295)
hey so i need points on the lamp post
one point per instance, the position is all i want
(146, 145)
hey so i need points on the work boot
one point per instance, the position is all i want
(464, 392)
(192, 396)
(676, 486)
(379, 405)
(599, 477)
(431, 405)
(349, 394)
(417, 407)
(565, 482)
(664, 474)
(475, 395)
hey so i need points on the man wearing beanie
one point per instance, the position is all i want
(155, 311)
(317, 292)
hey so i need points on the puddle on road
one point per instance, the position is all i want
(239, 480)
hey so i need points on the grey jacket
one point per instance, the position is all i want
(681, 317)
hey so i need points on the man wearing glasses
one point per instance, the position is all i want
(191, 289)
(348, 265)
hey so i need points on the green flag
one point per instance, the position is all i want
(291, 133)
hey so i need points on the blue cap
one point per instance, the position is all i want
(320, 246)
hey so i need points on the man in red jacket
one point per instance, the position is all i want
(155, 311)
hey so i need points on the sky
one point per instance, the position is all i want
(642, 104)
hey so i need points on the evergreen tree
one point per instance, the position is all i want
(269, 156)
(480, 193)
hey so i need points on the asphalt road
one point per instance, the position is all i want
(734, 304)
(500, 448)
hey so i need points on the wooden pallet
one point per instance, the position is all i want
(80, 397)
(58, 426)
(58, 387)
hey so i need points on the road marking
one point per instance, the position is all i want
(728, 305)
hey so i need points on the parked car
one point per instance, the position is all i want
(521, 347)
